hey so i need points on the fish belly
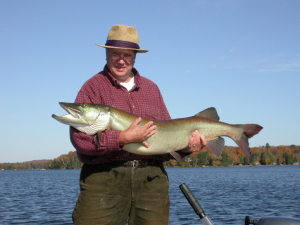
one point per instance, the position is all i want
(162, 142)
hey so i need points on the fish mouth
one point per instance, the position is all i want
(72, 108)
(74, 116)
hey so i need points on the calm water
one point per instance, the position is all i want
(227, 194)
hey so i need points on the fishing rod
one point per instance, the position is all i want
(205, 220)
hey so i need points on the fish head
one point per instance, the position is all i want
(85, 117)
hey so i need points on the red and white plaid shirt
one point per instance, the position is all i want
(144, 100)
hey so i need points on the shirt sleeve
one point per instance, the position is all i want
(97, 144)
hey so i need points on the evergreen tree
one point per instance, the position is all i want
(203, 159)
(226, 160)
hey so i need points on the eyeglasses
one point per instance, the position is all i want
(128, 58)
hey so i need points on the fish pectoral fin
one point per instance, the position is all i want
(176, 156)
(216, 146)
(209, 113)
(91, 130)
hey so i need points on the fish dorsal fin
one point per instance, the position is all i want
(209, 113)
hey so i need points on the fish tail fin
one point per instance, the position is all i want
(248, 131)
(251, 129)
(243, 143)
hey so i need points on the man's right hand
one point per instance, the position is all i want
(136, 133)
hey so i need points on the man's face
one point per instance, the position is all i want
(120, 62)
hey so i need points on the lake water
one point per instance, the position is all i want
(227, 194)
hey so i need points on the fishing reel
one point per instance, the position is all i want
(271, 221)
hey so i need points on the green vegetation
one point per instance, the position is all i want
(231, 156)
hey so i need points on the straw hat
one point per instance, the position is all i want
(123, 37)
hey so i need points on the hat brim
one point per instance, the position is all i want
(134, 49)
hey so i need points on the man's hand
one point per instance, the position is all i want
(196, 143)
(136, 133)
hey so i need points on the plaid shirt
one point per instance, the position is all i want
(143, 100)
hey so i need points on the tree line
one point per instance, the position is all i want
(231, 156)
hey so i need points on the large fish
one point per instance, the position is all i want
(170, 136)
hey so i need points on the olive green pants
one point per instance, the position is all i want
(120, 195)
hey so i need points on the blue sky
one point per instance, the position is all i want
(240, 56)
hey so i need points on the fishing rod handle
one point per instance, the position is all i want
(195, 204)
(192, 200)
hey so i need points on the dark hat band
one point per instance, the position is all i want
(122, 44)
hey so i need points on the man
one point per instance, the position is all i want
(116, 186)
